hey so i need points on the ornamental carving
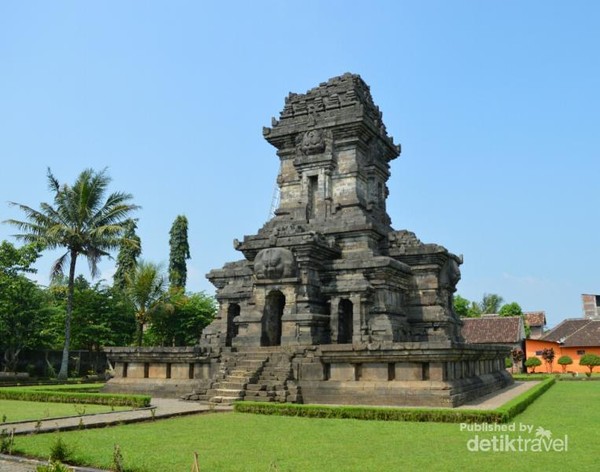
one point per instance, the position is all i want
(312, 142)
(274, 263)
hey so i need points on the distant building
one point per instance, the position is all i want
(591, 306)
(494, 329)
(572, 337)
(536, 320)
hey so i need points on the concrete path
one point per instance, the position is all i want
(497, 399)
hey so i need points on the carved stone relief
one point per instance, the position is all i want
(274, 263)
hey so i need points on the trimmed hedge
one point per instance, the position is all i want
(518, 404)
(60, 395)
(439, 415)
(531, 377)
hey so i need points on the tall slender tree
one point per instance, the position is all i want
(83, 222)
(179, 253)
(130, 250)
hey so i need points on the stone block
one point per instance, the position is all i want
(157, 371)
(375, 371)
(342, 372)
(312, 371)
(136, 370)
(409, 371)
(180, 371)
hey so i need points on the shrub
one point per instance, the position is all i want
(117, 462)
(49, 394)
(591, 361)
(517, 356)
(533, 362)
(52, 466)
(59, 451)
(519, 404)
(7, 441)
(548, 356)
(564, 361)
(440, 415)
(508, 363)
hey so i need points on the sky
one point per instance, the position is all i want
(496, 105)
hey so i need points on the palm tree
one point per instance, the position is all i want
(145, 287)
(83, 222)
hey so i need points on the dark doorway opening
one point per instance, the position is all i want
(345, 321)
(271, 321)
(232, 330)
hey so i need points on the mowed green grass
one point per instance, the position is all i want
(17, 410)
(245, 442)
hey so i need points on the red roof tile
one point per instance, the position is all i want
(535, 318)
(493, 329)
(575, 332)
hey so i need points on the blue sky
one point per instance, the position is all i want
(496, 105)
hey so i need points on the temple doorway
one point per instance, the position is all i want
(233, 310)
(345, 321)
(271, 321)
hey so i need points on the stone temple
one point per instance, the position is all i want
(329, 303)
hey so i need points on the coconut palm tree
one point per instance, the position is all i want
(145, 288)
(82, 221)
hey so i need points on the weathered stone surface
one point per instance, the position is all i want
(333, 304)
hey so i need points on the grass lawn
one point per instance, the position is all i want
(16, 410)
(245, 442)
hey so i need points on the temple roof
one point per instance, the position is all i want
(346, 98)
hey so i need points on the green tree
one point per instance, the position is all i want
(23, 310)
(81, 221)
(179, 252)
(511, 309)
(564, 361)
(474, 310)
(461, 306)
(533, 362)
(102, 316)
(182, 324)
(490, 303)
(130, 249)
(465, 308)
(514, 309)
(590, 361)
(145, 290)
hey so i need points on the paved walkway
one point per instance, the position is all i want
(497, 399)
(166, 408)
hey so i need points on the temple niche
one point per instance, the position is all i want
(328, 303)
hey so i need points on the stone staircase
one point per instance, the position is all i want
(263, 375)
(237, 374)
(275, 382)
